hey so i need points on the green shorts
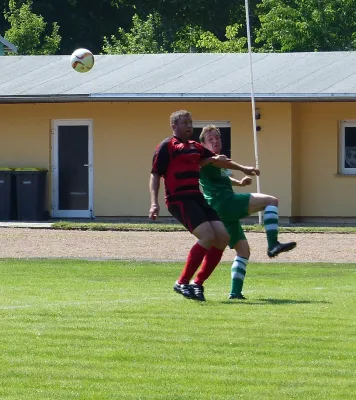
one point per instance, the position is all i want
(231, 211)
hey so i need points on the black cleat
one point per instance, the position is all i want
(280, 248)
(239, 296)
(198, 291)
(184, 289)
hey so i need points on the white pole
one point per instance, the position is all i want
(253, 102)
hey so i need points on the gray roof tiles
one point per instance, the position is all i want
(287, 76)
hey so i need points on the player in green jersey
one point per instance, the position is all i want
(217, 186)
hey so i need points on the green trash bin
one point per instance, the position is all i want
(31, 194)
(7, 194)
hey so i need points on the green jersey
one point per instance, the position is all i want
(216, 185)
(230, 206)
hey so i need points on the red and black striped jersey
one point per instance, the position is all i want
(178, 162)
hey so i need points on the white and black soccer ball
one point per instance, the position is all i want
(82, 60)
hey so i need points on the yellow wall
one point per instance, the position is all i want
(322, 192)
(296, 159)
(275, 153)
(125, 135)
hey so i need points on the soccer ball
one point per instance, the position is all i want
(82, 60)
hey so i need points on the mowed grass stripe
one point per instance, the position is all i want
(116, 330)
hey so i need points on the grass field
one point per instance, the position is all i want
(176, 227)
(116, 330)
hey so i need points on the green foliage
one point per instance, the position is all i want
(27, 30)
(176, 227)
(84, 23)
(145, 37)
(307, 25)
(233, 43)
(149, 37)
(186, 39)
(107, 226)
(159, 26)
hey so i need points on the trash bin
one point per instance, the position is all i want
(31, 193)
(7, 194)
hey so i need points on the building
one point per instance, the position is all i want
(96, 132)
(6, 47)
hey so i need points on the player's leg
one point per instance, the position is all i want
(238, 242)
(189, 213)
(215, 252)
(238, 269)
(234, 208)
(269, 204)
(213, 256)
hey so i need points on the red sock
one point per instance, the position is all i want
(210, 262)
(195, 257)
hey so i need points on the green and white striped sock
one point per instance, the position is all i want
(238, 272)
(270, 220)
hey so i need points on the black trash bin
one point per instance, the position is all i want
(7, 194)
(31, 194)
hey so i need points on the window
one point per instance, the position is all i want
(225, 131)
(348, 148)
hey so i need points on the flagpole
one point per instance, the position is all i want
(253, 106)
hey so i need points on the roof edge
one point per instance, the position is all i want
(225, 96)
(8, 44)
(165, 97)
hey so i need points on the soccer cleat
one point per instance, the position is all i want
(280, 248)
(184, 289)
(198, 291)
(239, 296)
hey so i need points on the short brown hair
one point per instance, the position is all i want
(207, 129)
(177, 114)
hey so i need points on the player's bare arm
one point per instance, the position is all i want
(245, 181)
(154, 190)
(210, 160)
(222, 161)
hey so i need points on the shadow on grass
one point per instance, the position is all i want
(279, 302)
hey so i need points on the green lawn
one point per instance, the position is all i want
(176, 227)
(116, 330)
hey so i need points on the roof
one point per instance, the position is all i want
(9, 47)
(181, 77)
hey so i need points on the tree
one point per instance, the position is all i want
(186, 39)
(183, 23)
(84, 23)
(234, 43)
(307, 25)
(209, 15)
(149, 37)
(27, 31)
(145, 37)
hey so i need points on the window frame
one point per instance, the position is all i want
(219, 124)
(342, 169)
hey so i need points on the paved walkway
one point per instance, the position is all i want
(163, 246)
(19, 224)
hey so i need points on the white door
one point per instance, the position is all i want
(72, 169)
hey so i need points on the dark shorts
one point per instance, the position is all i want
(192, 212)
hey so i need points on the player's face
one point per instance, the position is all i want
(183, 128)
(213, 142)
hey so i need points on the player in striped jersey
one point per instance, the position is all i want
(177, 159)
